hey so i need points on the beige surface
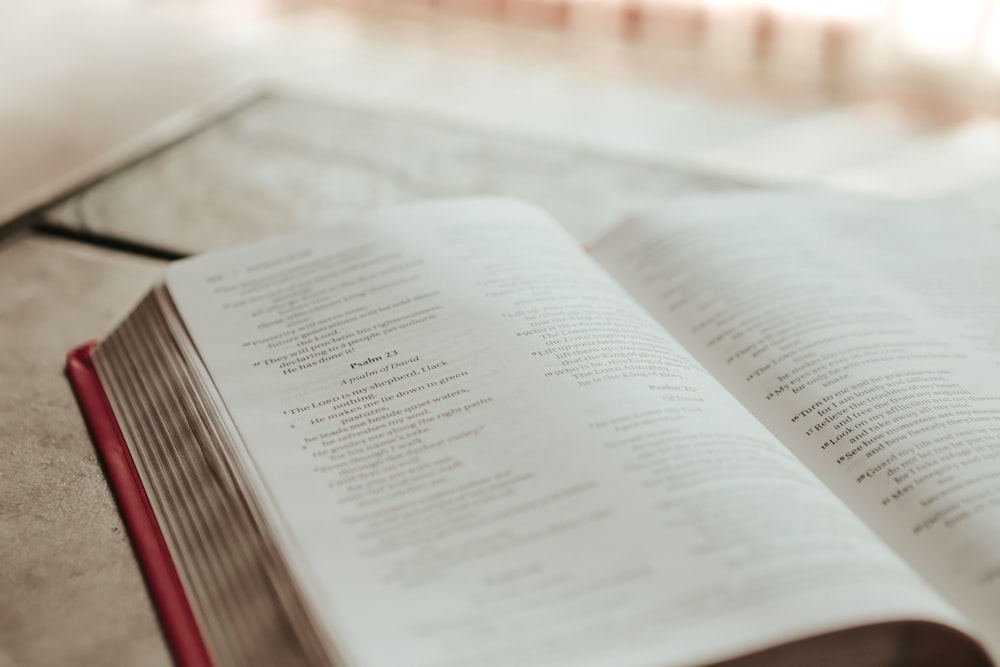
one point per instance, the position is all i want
(288, 162)
(79, 79)
(70, 590)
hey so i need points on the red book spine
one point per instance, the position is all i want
(176, 616)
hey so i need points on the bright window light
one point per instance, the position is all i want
(933, 29)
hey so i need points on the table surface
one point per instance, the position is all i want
(72, 591)
(82, 94)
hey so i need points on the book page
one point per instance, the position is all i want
(480, 452)
(865, 335)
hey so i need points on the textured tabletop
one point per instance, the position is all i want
(72, 592)
(285, 162)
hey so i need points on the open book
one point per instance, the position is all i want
(755, 429)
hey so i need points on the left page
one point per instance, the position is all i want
(477, 450)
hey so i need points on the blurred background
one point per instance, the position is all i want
(889, 96)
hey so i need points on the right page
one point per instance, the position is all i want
(865, 335)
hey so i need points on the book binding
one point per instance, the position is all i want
(176, 614)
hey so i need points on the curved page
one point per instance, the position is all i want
(478, 450)
(864, 334)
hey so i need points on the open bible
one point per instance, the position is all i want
(750, 429)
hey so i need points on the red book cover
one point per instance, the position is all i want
(176, 616)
